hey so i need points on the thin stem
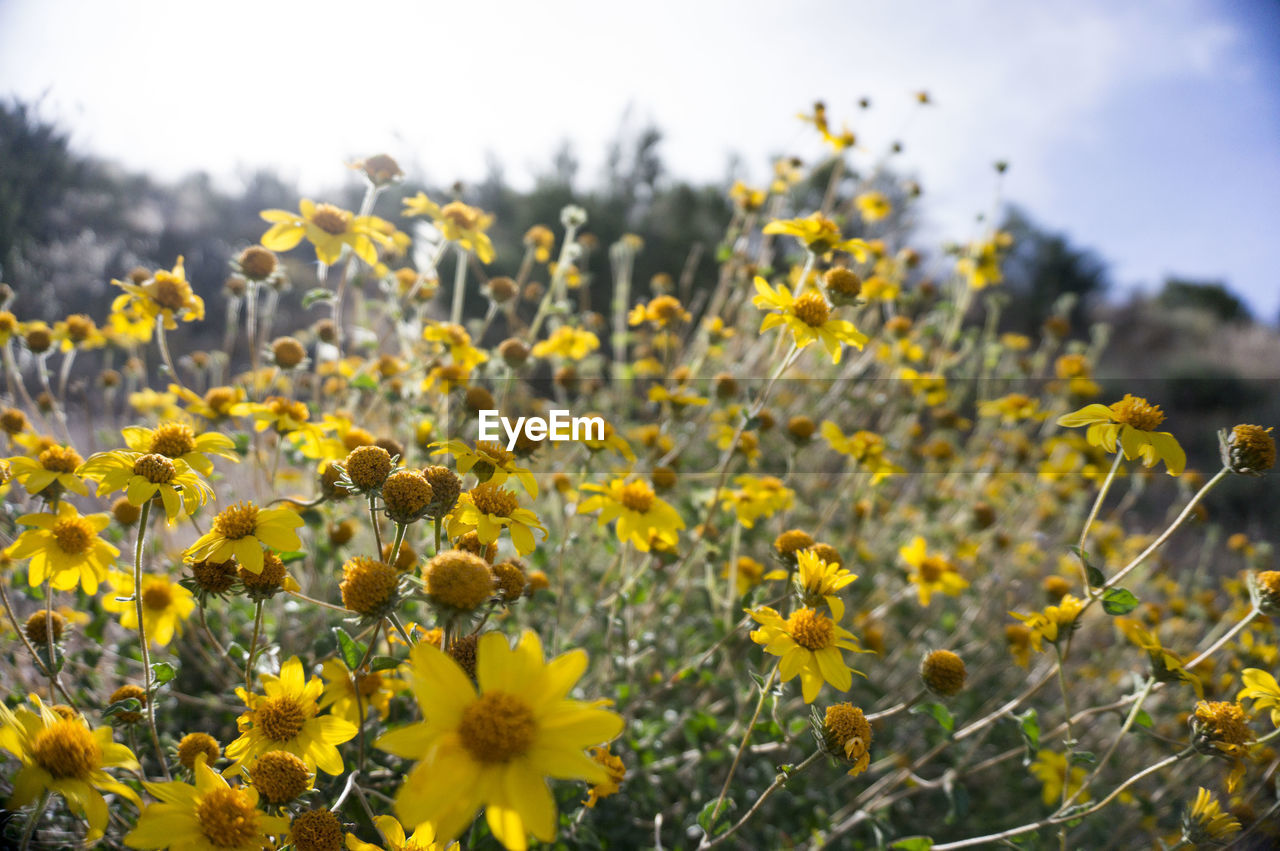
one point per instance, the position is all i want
(163, 343)
(22, 634)
(36, 814)
(1213, 648)
(780, 781)
(742, 746)
(377, 532)
(1128, 724)
(144, 523)
(459, 286)
(253, 647)
(1093, 515)
(401, 528)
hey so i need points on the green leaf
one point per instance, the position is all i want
(707, 823)
(1119, 601)
(314, 295)
(242, 443)
(1029, 723)
(351, 651)
(162, 672)
(290, 558)
(1094, 575)
(364, 382)
(913, 843)
(938, 712)
(129, 704)
(383, 663)
(1143, 719)
(1083, 758)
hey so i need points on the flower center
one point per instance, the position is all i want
(330, 219)
(368, 684)
(459, 215)
(60, 459)
(226, 818)
(932, 568)
(497, 727)
(237, 522)
(810, 629)
(157, 596)
(494, 453)
(491, 499)
(73, 535)
(280, 718)
(637, 496)
(169, 292)
(811, 308)
(1137, 412)
(67, 750)
(156, 469)
(220, 398)
(79, 327)
(173, 440)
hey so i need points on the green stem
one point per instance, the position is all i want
(459, 286)
(36, 814)
(1093, 515)
(746, 736)
(144, 523)
(253, 647)
(401, 528)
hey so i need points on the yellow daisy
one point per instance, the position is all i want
(165, 605)
(167, 295)
(65, 548)
(211, 815)
(423, 838)
(808, 644)
(807, 317)
(818, 581)
(63, 756)
(376, 691)
(494, 747)
(325, 226)
(242, 530)
(286, 718)
(146, 477)
(568, 343)
(1131, 423)
(489, 461)
(819, 234)
(179, 440)
(931, 573)
(54, 465)
(1262, 688)
(487, 509)
(458, 222)
(641, 514)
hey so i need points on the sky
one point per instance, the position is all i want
(1147, 131)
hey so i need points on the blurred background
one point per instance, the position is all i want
(1142, 143)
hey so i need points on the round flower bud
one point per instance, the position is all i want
(368, 587)
(280, 777)
(1264, 588)
(407, 495)
(287, 352)
(1248, 449)
(513, 352)
(463, 651)
(317, 830)
(125, 512)
(943, 673)
(843, 286)
(257, 263)
(470, 543)
(509, 578)
(124, 693)
(846, 735)
(801, 429)
(502, 289)
(446, 487)
(458, 580)
(269, 581)
(214, 577)
(193, 745)
(38, 628)
(368, 467)
(326, 331)
(791, 542)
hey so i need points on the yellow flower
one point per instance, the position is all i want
(63, 756)
(286, 718)
(339, 696)
(487, 509)
(981, 266)
(568, 343)
(808, 644)
(609, 440)
(818, 580)
(617, 773)
(757, 497)
(1012, 409)
(748, 200)
(1166, 667)
(325, 226)
(1262, 688)
(1206, 824)
(541, 240)
(873, 206)
(749, 573)
(1131, 423)
(165, 605)
(1051, 769)
(179, 440)
(489, 461)
(423, 838)
(242, 530)
(641, 514)
(78, 332)
(494, 747)
(1054, 622)
(661, 312)
(217, 403)
(458, 222)
(65, 548)
(167, 295)
(458, 342)
(930, 385)
(211, 814)
(819, 234)
(55, 465)
(930, 573)
(144, 477)
(865, 447)
(807, 317)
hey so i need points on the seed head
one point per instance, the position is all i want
(943, 673)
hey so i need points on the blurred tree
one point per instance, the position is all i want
(1212, 297)
(36, 170)
(1041, 268)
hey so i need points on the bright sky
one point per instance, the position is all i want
(1149, 131)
